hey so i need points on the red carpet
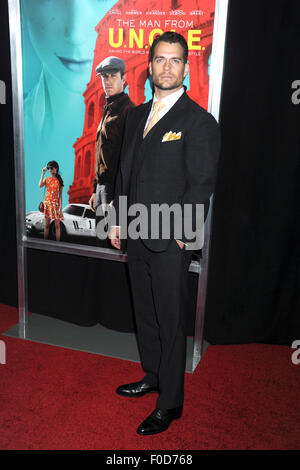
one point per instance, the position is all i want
(240, 397)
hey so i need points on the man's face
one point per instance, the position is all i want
(113, 83)
(167, 68)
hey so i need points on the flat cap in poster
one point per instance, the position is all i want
(111, 65)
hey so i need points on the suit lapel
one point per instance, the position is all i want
(143, 120)
(135, 135)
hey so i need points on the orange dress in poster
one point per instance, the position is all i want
(52, 208)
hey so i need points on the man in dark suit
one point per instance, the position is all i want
(169, 155)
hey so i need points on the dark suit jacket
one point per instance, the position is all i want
(179, 171)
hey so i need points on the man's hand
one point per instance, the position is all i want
(114, 236)
(180, 244)
(92, 202)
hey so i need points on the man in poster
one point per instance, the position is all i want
(109, 133)
(169, 155)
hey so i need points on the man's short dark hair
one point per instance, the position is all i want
(171, 38)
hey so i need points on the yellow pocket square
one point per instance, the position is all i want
(171, 136)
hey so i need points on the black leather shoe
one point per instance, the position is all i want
(159, 421)
(136, 389)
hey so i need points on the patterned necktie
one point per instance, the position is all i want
(157, 107)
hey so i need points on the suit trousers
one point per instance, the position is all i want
(159, 282)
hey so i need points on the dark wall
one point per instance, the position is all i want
(8, 262)
(254, 288)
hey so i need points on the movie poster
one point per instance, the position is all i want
(62, 43)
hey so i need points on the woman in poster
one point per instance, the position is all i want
(53, 200)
